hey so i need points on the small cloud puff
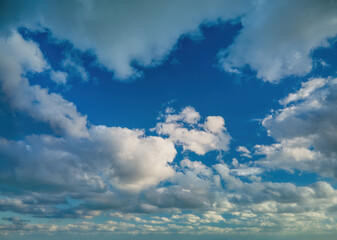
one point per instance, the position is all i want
(186, 130)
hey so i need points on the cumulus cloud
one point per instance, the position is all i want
(121, 32)
(17, 58)
(277, 46)
(305, 129)
(184, 129)
(138, 161)
(124, 34)
(120, 157)
(261, 205)
(106, 168)
(85, 158)
(208, 191)
(197, 167)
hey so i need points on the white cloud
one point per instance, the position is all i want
(126, 33)
(202, 138)
(278, 37)
(247, 171)
(305, 129)
(244, 151)
(214, 124)
(75, 67)
(122, 32)
(197, 167)
(83, 158)
(259, 205)
(119, 168)
(134, 161)
(122, 157)
(306, 90)
(59, 77)
(18, 57)
(188, 115)
(213, 216)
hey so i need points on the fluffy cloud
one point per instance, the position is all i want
(277, 46)
(123, 34)
(184, 129)
(306, 130)
(106, 168)
(120, 32)
(136, 161)
(19, 57)
(211, 193)
(122, 157)
(83, 157)
(126, 33)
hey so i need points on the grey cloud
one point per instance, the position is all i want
(126, 158)
(305, 130)
(260, 205)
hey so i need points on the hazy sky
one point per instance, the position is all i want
(166, 120)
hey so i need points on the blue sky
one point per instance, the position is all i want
(171, 120)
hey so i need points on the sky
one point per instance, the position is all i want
(166, 120)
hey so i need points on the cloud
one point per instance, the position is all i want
(244, 152)
(104, 168)
(120, 157)
(184, 129)
(126, 34)
(19, 57)
(138, 161)
(84, 159)
(208, 193)
(59, 77)
(75, 68)
(305, 129)
(198, 167)
(246, 171)
(276, 46)
(305, 91)
(121, 33)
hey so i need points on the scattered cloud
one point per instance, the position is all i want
(305, 130)
(166, 181)
(244, 152)
(121, 33)
(276, 46)
(59, 77)
(185, 129)
(20, 57)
